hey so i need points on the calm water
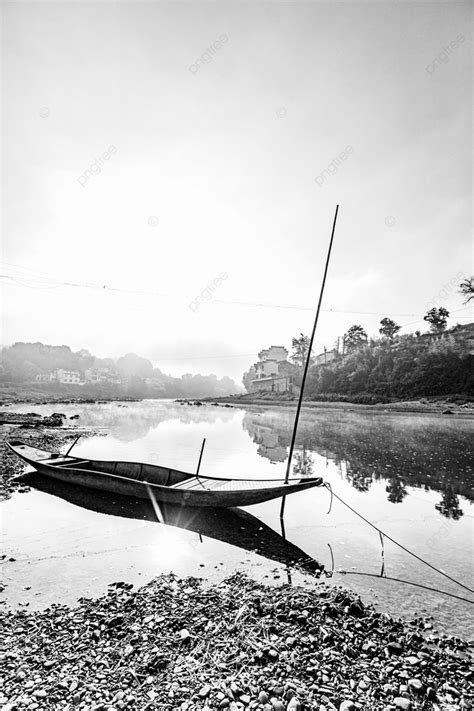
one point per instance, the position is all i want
(409, 474)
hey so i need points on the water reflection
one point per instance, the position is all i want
(303, 464)
(403, 450)
(449, 505)
(233, 526)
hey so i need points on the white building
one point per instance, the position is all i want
(69, 377)
(44, 377)
(101, 375)
(273, 371)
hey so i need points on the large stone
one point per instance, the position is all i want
(402, 703)
(394, 648)
(347, 706)
(415, 685)
(277, 705)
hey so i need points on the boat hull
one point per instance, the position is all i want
(232, 493)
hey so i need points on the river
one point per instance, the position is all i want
(410, 474)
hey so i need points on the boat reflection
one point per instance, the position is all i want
(230, 525)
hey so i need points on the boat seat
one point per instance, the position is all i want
(77, 464)
(193, 483)
(56, 460)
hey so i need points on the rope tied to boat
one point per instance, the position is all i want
(381, 533)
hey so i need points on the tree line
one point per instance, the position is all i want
(130, 375)
(393, 366)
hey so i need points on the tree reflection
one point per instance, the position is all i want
(400, 450)
(303, 465)
(449, 505)
(396, 491)
(358, 477)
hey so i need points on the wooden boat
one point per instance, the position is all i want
(231, 525)
(161, 483)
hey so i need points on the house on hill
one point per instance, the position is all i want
(272, 371)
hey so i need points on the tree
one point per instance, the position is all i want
(300, 349)
(134, 366)
(437, 318)
(354, 339)
(466, 288)
(248, 377)
(388, 328)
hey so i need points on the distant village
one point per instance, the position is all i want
(74, 377)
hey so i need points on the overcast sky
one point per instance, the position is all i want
(215, 165)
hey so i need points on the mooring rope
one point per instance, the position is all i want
(406, 582)
(400, 545)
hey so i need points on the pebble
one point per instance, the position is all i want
(198, 656)
(416, 685)
(347, 706)
(394, 648)
(293, 705)
(277, 705)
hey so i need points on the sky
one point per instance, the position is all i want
(170, 173)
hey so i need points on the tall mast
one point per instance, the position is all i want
(308, 358)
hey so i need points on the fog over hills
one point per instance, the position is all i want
(51, 369)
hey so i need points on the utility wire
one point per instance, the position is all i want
(41, 276)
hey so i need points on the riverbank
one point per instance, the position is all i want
(443, 406)
(38, 432)
(179, 644)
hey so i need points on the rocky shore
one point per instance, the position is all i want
(178, 644)
(43, 432)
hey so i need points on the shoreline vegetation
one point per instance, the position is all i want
(44, 372)
(181, 644)
(453, 405)
(410, 371)
(458, 405)
(388, 369)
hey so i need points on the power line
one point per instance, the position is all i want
(42, 277)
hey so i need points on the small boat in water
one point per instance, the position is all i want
(162, 483)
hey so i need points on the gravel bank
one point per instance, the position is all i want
(51, 438)
(176, 644)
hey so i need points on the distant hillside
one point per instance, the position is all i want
(405, 367)
(57, 370)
